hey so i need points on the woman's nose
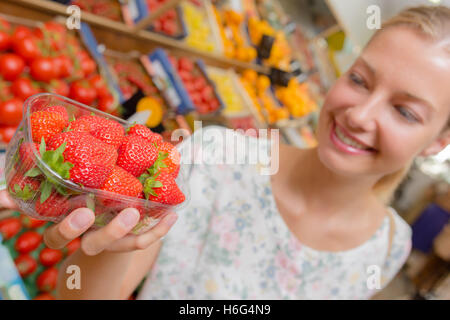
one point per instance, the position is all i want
(362, 117)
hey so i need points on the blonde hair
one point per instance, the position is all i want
(433, 22)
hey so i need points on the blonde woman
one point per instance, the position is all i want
(319, 228)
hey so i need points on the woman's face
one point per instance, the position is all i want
(388, 108)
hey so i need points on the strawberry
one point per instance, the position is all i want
(24, 188)
(26, 156)
(162, 188)
(122, 182)
(136, 155)
(59, 109)
(92, 159)
(46, 123)
(146, 133)
(55, 205)
(106, 130)
(172, 158)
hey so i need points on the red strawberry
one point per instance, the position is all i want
(106, 130)
(146, 133)
(47, 123)
(163, 188)
(136, 155)
(55, 205)
(122, 182)
(22, 187)
(26, 156)
(172, 160)
(92, 159)
(59, 109)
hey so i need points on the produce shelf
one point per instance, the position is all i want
(117, 35)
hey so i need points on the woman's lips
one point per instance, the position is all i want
(342, 146)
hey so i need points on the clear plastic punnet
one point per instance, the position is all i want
(27, 172)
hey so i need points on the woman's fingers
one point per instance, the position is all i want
(143, 241)
(75, 224)
(95, 242)
(6, 201)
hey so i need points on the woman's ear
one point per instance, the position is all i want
(442, 141)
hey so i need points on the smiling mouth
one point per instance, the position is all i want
(348, 141)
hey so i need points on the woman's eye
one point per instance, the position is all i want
(406, 114)
(357, 79)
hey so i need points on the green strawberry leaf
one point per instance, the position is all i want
(159, 163)
(55, 160)
(46, 190)
(150, 184)
(42, 146)
(33, 172)
(72, 118)
(25, 194)
(132, 125)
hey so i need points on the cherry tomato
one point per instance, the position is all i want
(25, 264)
(44, 296)
(72, 246)
(27, 48)
(43, 69)
(60, 87)
(9, 227)
(82, 91)
(169, 27)
(100, 86)
(185, 64)
(49, 257)
(31, 223)
(4, 25)
(88, 66)
(11, 112)
(21, 32)
(46, 281)
(24, 88)
(65, 66)
(28, 241)
(5, 41)
(7, 132)
(11, 66)
(105, 102)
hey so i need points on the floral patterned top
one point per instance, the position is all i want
(230, 242)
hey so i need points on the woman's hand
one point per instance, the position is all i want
(112, 237)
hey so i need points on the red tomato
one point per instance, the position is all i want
(5, 41)
(55, 27)
(43, 69)
(185, 76)
(207, 93)
(21, 32)
(24, 88)
(44, 296)
(72, 246)
(199, 83)
(11, 112)
(11, 66)
(82, 91)
(88, 66)
(31, 223)
(9, 227)
(27, 48)
(46, 281)
(185, 64)
(100, 86)
(25, 264)
(60, 87)
(66, 66)
(7, 132)
(28, 242)
(49, 257)
(169, 27)
(105, 102)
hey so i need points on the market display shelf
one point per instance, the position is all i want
(119, 31)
